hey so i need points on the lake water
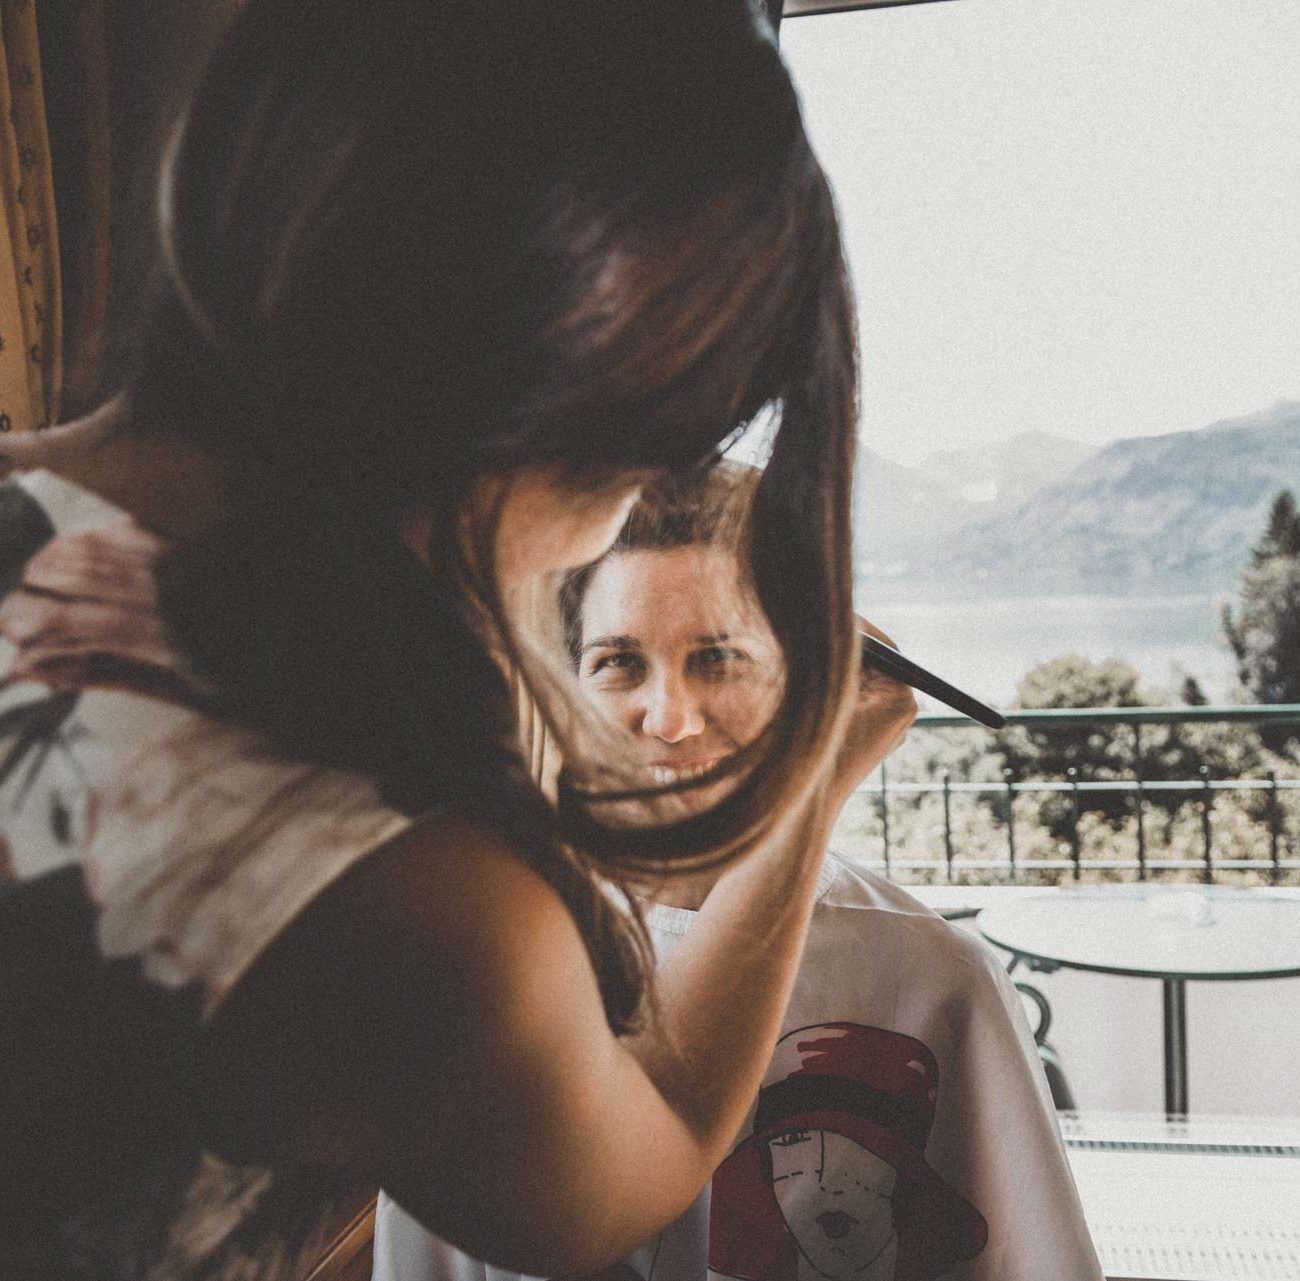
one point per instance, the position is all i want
(985, 646)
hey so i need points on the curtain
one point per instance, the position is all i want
(74, 58)
(86, 91)
(31, 308)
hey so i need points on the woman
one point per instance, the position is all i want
(904, 1130)
(440, 287)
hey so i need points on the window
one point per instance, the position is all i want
(1074, 231)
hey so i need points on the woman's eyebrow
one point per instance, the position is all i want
(715, 638)
(612, 642)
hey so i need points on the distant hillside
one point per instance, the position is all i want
(1158, 513)
(904, 513)
(900, 512)
(1007, 474)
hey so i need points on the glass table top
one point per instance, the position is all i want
(1175, 931)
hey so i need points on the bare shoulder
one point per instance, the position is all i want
(400, 968)
(443, 881)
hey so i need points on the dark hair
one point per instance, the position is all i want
(405, 244)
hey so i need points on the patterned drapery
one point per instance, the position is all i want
(31, 307)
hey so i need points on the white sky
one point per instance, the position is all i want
(1077, 216)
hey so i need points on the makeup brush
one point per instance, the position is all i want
(885, 658)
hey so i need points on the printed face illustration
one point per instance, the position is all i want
(835, 1197)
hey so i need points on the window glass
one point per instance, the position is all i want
(1074, 232)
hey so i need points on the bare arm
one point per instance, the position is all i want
(446, 1035)
(728, 982)
(433, 1022)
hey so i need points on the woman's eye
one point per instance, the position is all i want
(716, 659)
(792, 1138)
(616, 664)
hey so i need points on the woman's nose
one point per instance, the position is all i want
(672, 713)
(829, 1177)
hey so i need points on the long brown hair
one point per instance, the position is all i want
(405, 244)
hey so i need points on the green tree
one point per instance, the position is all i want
(1282, 537)
(1109, 752)
(1263, 631)
(1097, 752)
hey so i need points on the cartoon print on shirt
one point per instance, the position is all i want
(42, 785)
(833, 1184)
(837, 1200)
(79, 613)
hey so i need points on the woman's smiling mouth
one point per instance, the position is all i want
(836, 1224)
(666, 773)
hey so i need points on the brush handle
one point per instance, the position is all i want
(884, 658)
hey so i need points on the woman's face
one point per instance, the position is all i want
(836, 1199)
(674, 652)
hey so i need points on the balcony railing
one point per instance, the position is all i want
(1266, 826)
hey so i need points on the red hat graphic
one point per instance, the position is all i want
(872, 1086)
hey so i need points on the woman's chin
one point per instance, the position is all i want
(701, 799)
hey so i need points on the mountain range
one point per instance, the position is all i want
(1041, 514)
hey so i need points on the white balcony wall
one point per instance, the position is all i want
(1243, 1036)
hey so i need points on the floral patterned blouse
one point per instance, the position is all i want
(148, 854)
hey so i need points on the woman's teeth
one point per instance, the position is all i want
(666, 775)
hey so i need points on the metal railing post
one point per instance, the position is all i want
(1139, 806)
(1075, 857)
(1207, 799)
(1139, 800)
(947, 821)
(1274, 828)
(1011, 821)
(884, 810)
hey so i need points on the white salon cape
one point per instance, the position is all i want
(904, 1131)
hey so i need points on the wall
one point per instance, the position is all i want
(1243, 1037)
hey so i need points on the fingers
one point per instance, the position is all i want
(111, 565)
(85, 598)
(32, 622)
(60, 643)
(872, 630)
(874, 684)
(885, 712)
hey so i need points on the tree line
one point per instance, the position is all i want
(1262, 630)
(1260, 627)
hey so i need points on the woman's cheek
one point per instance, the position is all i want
(742, 709)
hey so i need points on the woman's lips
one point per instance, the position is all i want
(666, 773)
(836, 1224)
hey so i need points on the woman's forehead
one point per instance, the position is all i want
(664, 592)
(839, 1149)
